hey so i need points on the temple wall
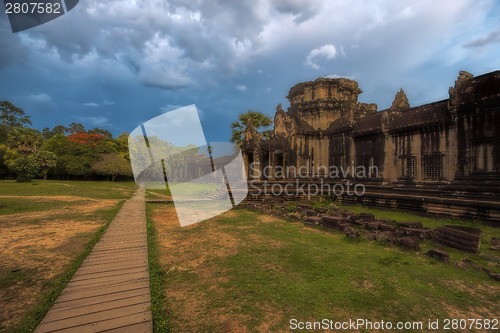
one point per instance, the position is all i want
(440, 142)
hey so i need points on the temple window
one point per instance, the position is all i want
(408, 169)
(483, 157)
(433, 166)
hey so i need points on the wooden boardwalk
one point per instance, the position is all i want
(110, 291)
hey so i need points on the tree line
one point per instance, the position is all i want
(62, 152)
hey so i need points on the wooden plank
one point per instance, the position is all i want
(104, 279)
(105, 268)
(110, 291)
(83, 276)
(75, 303)
(104, 260)
(98, 326)
(136, 328)
(106, 283)
(89, 309)
(65, 296)
(112, 266)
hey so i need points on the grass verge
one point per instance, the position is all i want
(54, 288)
(156, 280)
(87, 189)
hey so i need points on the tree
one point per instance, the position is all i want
(113, 165)
(76, 165)
(98, 130)
(75, 128)
(59, 130)
(24, 168)
(12, 116)
(122, 145)
(250, 120)
(86, 139)
(58, 144)
(48, 133)
(25, 140)
(45, 160)
(4, 169)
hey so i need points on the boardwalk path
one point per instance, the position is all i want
(110, 291)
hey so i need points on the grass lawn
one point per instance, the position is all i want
(186, 188)
(487, 231)
(248, 272)
(46, 230)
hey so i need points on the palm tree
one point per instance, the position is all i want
(250, 120)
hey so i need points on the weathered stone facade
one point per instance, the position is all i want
(455, 141)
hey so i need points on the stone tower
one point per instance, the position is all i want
(322, 101)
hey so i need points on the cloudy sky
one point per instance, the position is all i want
(117, 63)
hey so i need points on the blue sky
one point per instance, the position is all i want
(115, 64)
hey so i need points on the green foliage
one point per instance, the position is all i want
(24, 168)
(101, 131)
(76, 165)
(75, 128)
(12, 116)
(45, 161)
(3, 165)
(47, 133)
(58, 152)
(122, 145)
(25, 140)
(113, 165)
(248, 121)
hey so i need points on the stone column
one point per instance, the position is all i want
(257, 171)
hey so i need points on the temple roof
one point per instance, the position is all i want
(339, 125)
(303, 126)
(276, 142)
(425, 115)
(481, 87)
(370, 124)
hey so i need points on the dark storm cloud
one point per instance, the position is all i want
(230, 56)
(492, 38)
(302, 10)
(11, 49)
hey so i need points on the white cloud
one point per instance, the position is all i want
(41, 98)
(106, 102)
(91, 105)
(163, 65)
(326, 51)
(241, 87)
(169, 107)
(336, 76)
(96, 121)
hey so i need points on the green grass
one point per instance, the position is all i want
(183, 189)
(85, 189)
(15, 206)
(194, 188)
(433, 221)
(281, 270)
(54, 288)
(156, 193)
(53, 208)
(156, 280)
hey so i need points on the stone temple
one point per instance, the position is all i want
(441, 157)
